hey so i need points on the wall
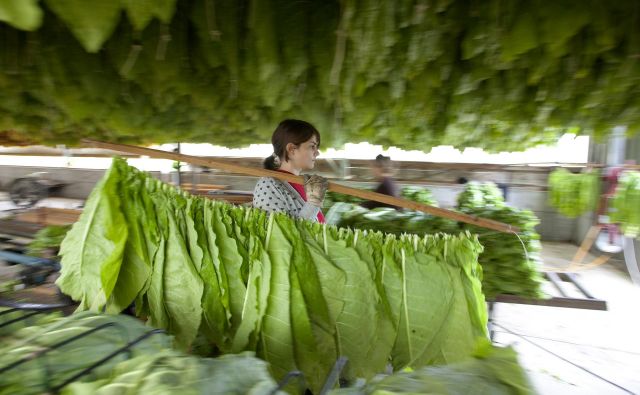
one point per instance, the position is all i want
(553, 227)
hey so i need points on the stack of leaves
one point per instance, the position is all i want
(509, 262)
(409, 73)
(151, 367)
(300, 294)
(574, 194)
(10, 332)
(43, 372)
(480, 194)
(491, 371)
(332, 198)
(46, 240)
(418, 194)
(414, 193)
(389, 220)
(170, 372)
(626, 204)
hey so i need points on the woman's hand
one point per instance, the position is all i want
(315, 187)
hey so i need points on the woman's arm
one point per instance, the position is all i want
(269, 195)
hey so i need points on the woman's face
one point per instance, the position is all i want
(304, 156)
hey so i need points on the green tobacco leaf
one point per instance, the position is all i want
(276, 343)
(158, 316)
(231, 260)
(164, 9)
(21, 14)
(223, 279)
(626, 202)
(421, 319)
(136, 264)
(312, 326)
(215, 304)
(92, 250)
(491, 371)
(140, 12)
(183, 285)
(93, 25)
(356, 324)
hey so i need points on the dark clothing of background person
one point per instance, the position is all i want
(387, 187)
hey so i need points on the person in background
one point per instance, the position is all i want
(295, 149)
(383, 172)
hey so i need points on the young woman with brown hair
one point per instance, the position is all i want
(295, 149)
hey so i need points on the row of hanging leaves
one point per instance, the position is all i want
(501, 75)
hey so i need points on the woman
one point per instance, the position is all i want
(383, 171)
(295, 148)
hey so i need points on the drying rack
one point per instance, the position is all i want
(54, 385)
(562, 283)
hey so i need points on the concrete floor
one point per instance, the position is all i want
(606, 343)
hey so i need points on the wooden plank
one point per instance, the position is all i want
(202, 187)
(586, 244)
(573, 303)
(19, 228)
(50, 216)
(256, 172)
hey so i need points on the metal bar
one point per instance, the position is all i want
(9, 311)
(555, 280)
(89, 369)
(573, 278)
(286, 379)
(24, 317)
(334, 375)
(34, 306)
(572, 303)
(491, 319)
(55, 346)
(28, 260)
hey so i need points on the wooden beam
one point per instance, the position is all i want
(586, 244)
(587, 304)
(256, 172)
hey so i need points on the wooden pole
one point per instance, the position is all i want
(251, 171)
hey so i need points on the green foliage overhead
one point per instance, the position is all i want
(300, 294)
(413, 74)
(21, 14)
(574, 194)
